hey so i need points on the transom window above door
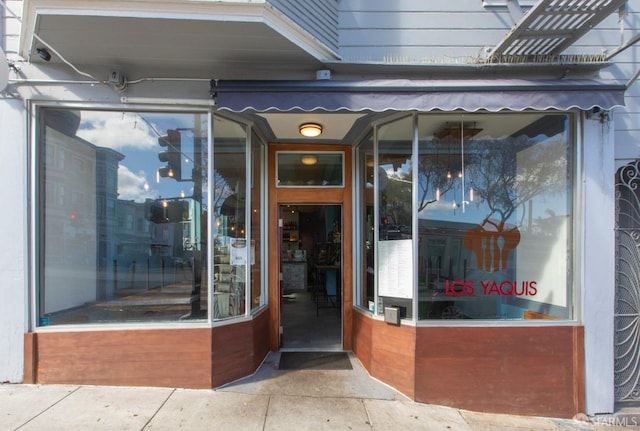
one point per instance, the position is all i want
(309, 169)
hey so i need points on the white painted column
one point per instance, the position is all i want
(598, 266)
(13, 247)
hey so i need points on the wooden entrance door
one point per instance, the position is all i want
(341, 195)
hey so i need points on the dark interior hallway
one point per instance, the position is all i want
(310, 324)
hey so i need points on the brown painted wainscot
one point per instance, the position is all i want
(528, 370)
(196, 358)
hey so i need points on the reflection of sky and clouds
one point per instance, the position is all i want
(519, 167)
(118, 131)
(135, 136)
(537, 176)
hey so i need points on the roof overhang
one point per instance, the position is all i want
(415, 95)
(240, 39)
(192, 38)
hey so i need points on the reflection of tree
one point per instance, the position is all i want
(396, 199)
(221, 190)
(432, 175)
(507, 173)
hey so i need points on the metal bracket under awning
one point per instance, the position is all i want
(552, 26)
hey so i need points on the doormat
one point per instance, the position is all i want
(315, 361)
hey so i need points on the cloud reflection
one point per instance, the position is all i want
(117, 130)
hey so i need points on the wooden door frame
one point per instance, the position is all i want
(320, 195)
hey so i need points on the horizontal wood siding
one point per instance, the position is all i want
(517, 370)
(11, 27)
(30, 359)
(407, 31)
(166, 358)
(386, 351)
(362, 339)
(627, 120)
(184, 358)
(232, 347)
(411, 5)
(393, 355)
(239, 349)
(261, 345)
(318, 17)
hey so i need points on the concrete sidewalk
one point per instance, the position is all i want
(269, 400)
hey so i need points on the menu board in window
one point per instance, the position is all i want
(395, 268)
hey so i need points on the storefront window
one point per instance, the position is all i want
(492, 201)
(258, 296)
(365, 234)
(122, 224)
(494, 216)
(233, 252)
(395, 215)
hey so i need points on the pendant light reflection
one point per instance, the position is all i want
(464, 202)
(309, 159)
(460, 133)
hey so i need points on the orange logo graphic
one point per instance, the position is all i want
(491, 242)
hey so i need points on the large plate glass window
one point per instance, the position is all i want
(491, 197)
(494, 211)
(258, 296)
(395, 214)
(365, 287)
(121, 216)
(234, 254)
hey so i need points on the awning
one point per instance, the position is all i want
(418, 95)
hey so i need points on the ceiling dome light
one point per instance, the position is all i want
(309, 159)
(310, 130)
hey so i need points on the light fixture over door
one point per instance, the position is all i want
(310, 130)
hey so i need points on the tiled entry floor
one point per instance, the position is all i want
(304, 330)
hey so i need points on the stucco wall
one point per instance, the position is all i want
(13, 252)
(596, 268)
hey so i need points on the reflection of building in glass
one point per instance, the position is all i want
(100, 248)
(70, 226)
(106, 191)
